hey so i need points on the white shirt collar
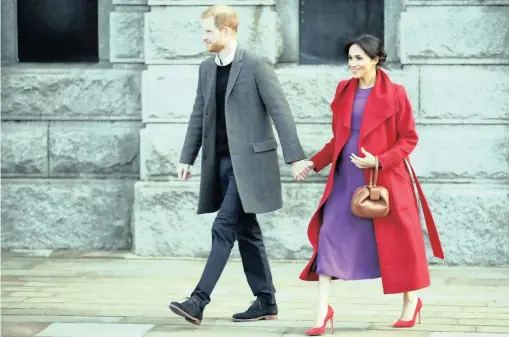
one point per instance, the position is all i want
(229, 58)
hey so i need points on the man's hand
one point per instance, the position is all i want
(184, 172)
(368, 161)
(301, 168)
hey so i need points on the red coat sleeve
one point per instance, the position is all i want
(407, 135)
(324, 157)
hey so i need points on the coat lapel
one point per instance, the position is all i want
(342, 104)
(381, 104)
(210, 100)
(235, 70)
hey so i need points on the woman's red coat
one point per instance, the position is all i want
(388, 132)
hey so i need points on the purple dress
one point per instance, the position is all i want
(346, 243)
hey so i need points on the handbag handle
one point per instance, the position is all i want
(375, 170)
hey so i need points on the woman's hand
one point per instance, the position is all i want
(368, 161)
(302, 173)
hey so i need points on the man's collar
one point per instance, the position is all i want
(229, 59)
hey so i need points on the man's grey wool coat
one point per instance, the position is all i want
(253, 97)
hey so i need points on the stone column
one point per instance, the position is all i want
(462, 52)
(9, 32)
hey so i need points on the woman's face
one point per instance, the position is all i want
(360, 63)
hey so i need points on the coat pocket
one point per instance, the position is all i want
(265, 145)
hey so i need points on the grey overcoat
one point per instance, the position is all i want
(253, 97)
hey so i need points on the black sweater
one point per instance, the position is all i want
(223, 72)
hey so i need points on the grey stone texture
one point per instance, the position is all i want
(78, 148)
(127, 36)
(74, 214)
(464, 233)
(105, 7)
(484, 151)
(392, 21)
(96, 329)
(169, 90)
(25, 148)
(454, 35)
(9, 31)
(60, 92)
(168, 93)
(130, 2)
(456, 2)
(165, 26)
(462, 93)
(210, 2)
(288, 11)
(463, 152)
(61, 122)
(159, 155)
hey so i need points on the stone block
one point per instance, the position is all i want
(460, 93)
(471, 221)
(161, 145)
(210, 2)
(130, 2)
(169, 91)
(456, 2)
(258, 32)
(70, 93)
(25, 148)
(462, 152)
(104, 10)
(94, 148)
(310, 90)
(160, 154)
(127, 37)
(392, 19)
(175, 205)
(484, 151)
(75, 329)
(9, 32)
(288, 11)
(454, 35)
(74, 214)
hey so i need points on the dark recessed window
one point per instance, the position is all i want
(58, 31)
(327, 25)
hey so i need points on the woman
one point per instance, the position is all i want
(372, 119)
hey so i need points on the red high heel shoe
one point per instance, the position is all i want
(409, 324)
(318, 331)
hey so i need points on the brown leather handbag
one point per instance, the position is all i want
(371, 201)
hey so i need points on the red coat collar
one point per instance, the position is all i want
(381, 104)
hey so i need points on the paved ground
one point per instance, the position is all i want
(119, 295)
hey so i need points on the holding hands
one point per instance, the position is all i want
(301, 169)
(368, 161)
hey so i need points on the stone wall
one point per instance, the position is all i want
(70, 143)
(458, 90)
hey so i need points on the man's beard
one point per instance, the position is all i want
(216, 47)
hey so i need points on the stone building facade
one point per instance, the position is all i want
(89, 151)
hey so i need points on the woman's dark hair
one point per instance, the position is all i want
(371, 45)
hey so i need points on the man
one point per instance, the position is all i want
(237, 96)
